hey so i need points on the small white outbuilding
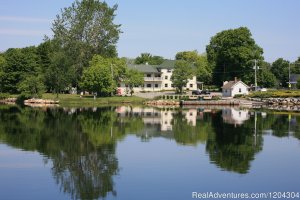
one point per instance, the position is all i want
(232, 88)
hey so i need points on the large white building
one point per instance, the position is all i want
(156, 78)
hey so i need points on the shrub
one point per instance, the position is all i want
(4, 96)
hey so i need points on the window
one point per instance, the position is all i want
(156, 85)
(148, 75)
(225, 91)
(240, 89)
(148, 85)
(172, 85)
(169, 70)
(166, 85)
(166, 77)
(191, 85)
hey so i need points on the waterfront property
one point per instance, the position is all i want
(232, 88)
(156, 78)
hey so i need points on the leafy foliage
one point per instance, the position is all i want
(182, 72)
(16, 65)
(103, 74)
(84, 29)
(280, 68)
(231, 53)
(148, 58)
(133, 78)
(32, 86)
(203, 68)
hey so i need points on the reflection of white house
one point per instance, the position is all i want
(156, 78)
(154, 116)
(232, 88)
(235, 116)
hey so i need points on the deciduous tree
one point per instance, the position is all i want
(84, 29)
(231, 53)
(182, 72)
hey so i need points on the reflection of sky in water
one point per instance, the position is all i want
(202, 150)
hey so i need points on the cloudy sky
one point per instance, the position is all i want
(164, 27)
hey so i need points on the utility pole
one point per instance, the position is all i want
(289, 75)
(255, 73)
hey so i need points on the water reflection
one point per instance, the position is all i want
(81, 143)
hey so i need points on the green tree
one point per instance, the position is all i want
(18, 64)
(280, 68)
(58, 76)
(203, 69)
(148, 58)
(32, 86)
(103, 75)
(298, 84)
(231, 53)
(2, 64)
(182, 72)
(133, 78)
(84, 29)
(265, 77)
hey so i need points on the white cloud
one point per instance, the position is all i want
(24, 19)
(23, 32)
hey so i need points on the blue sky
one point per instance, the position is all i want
(164, 27)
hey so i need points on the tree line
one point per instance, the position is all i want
(82, 54)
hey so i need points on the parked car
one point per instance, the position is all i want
(261, 89)
(205, 92)
(196, 92)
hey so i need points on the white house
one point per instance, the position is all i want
(232, 88)
(156, 78)
(235, 116)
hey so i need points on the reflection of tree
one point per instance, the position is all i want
(185, 133)
(233, 148)
(82, 169)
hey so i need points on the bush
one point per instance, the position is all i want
(21, 98)
(4, 96)
(276, 93)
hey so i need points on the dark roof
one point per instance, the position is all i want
(144, 68)
(294, 78)
(167, 64)
(230, 84)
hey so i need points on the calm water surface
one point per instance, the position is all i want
(145, 153)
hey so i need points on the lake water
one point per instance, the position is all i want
(146, 153)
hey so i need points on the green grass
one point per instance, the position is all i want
(276, 93)
(88, 101)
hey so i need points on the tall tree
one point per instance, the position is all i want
(84, 29)
(280, 68)
(19, 63)
(203, 68)
(265, 78)
(182, 72)
(103, 75)
(231, 52)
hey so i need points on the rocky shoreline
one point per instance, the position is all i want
(277, 101)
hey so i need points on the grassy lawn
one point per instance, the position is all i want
(276, 93)
(75, 100)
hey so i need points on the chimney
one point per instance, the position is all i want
(235, 79)
(225, 82)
